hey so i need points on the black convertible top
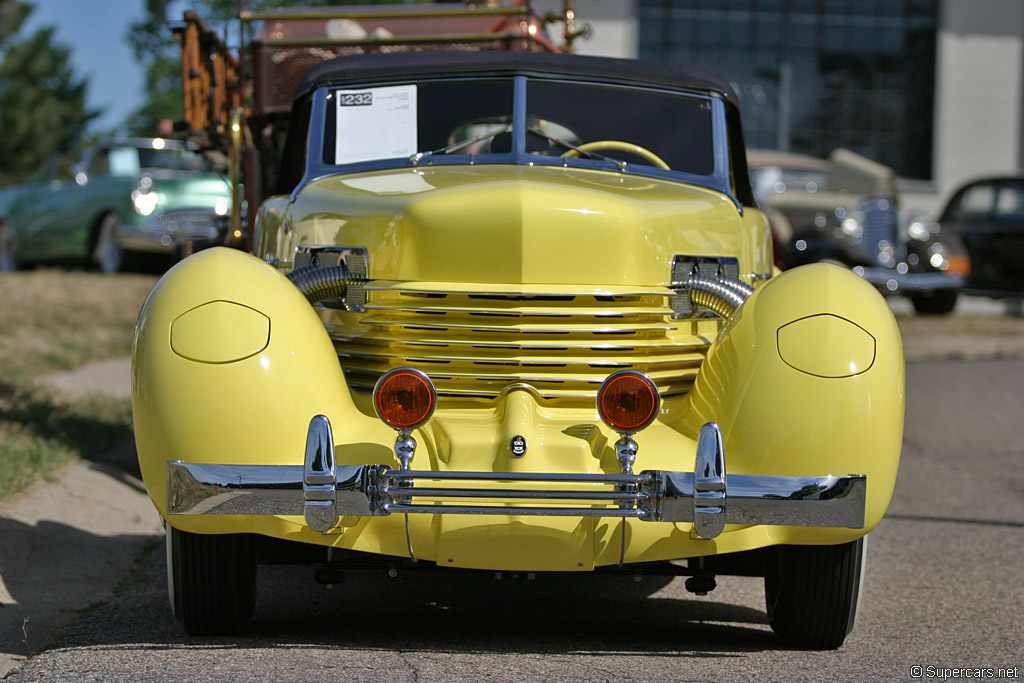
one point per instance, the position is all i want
(363, 68)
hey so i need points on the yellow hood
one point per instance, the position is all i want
(517, 224)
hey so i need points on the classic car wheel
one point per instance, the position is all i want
(107, 254)
(211, 581)
(8, 248)
(812, 592)
(627, 147)
(938, 302)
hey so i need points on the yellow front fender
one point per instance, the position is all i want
(808, 377)
(229, 363)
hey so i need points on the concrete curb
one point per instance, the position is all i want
(64, 545)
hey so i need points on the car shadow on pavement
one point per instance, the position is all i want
(49, 571)
(465, 613)
(474, 612)
(125, 460)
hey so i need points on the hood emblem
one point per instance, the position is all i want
(518, 446)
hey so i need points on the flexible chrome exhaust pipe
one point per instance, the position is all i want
(317, 284)
(721, 295)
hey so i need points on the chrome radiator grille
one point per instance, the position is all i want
(558, 342)
(881, 227)
(191, 221)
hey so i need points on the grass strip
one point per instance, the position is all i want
(53, 320)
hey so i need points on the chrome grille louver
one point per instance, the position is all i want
(560, 341)
(204, 222)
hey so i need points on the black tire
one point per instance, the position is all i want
(211, 581)
(106, 255)
(937, 302)
(8, 248)
(812, 593)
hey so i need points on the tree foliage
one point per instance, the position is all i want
(42, 104)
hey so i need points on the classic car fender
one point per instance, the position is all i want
(229, 363)
(808, 376)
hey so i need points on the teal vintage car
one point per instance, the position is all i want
(125, 197)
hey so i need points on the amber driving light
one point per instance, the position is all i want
(628, 401)
(404, 398)
(957, 264)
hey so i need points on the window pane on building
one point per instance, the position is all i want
(813, 75)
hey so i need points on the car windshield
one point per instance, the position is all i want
(129, 161)
(422, 122)
(670, 128)
(772, 179)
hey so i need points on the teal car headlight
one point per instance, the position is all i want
(145, 202)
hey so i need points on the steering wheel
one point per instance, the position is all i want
(620, 146)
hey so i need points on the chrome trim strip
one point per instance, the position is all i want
(525, 477)
(707, 497)
(521, 312)
(602, 496)
(678, 368)
(519, 511)
(404, 287)
(525, 345)
(598, 328)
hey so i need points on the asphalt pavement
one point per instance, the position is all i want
(66, 543)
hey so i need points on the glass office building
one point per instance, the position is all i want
(813, 75)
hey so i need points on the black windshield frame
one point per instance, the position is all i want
(717, 176)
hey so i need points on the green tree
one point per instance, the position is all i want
(42, 105)
(153, 45)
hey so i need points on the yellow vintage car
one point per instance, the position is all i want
(517, 312)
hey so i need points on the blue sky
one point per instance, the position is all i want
(95, 31)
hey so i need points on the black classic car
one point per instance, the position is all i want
(987, 217)
(845, 210)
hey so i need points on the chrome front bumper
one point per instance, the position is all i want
(323, 492)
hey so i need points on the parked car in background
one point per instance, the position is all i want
(125, 197)
(845, 210)
(987, 217)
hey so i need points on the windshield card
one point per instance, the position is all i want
(375, 123)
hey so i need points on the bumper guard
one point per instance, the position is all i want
(323, 491)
